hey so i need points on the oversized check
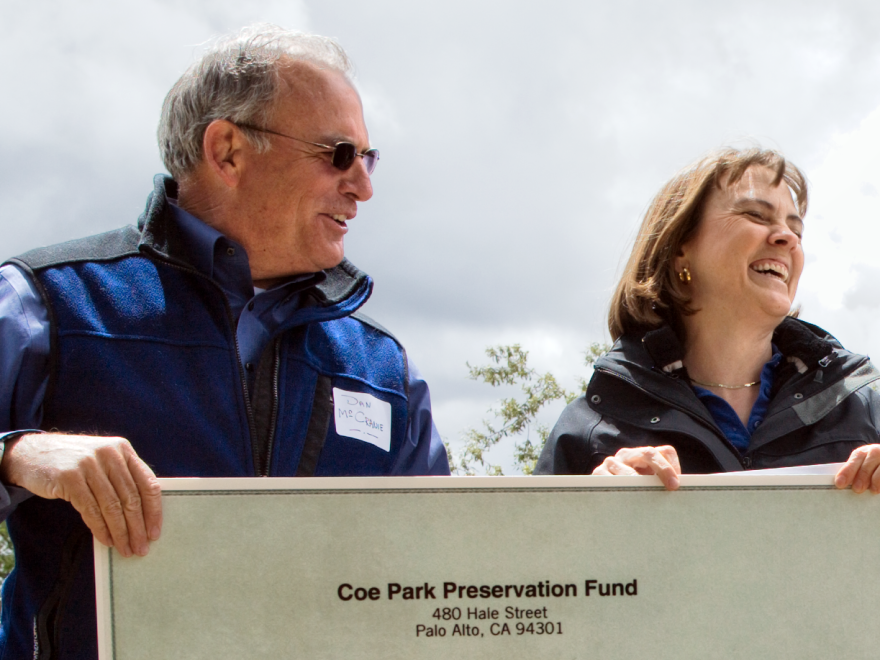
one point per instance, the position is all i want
(740, 566)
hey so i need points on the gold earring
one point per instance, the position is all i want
(685, 275)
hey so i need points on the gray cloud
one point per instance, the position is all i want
(520, 141)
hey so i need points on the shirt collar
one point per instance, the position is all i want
(200, 238)
(203, 243)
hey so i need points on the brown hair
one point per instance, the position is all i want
(649, 293)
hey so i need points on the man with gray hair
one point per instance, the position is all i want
(214, 338)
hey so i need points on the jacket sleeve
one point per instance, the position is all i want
(569, 449)
(424, 452)
(24, 367)
(872, 402)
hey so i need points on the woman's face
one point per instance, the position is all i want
(746, 258)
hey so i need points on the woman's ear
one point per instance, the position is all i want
(681, 259)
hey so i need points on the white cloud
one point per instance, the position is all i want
(520, 145)
(840, 288)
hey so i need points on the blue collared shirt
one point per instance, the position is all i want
(259, 312)
(25, 332)
(724, 415)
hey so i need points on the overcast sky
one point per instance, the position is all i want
(520, 144)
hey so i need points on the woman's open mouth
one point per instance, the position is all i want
(771, 269)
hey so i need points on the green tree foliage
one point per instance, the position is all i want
(515, 417)
(7, 558)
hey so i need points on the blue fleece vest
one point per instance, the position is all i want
(144, 348)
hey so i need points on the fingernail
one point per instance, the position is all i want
(154, 533)
(674, 482)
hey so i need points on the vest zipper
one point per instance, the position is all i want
(252, 425)
(47, 633)
(276, 366)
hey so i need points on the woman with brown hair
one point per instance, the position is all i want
(710, 372)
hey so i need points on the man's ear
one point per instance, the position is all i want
(222, 151)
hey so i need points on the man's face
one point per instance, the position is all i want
(296, 203)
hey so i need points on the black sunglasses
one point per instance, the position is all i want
(344, 153)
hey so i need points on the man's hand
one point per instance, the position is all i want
(662, 461)
(860, 471)
(116, 493)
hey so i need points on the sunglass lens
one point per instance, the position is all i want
(344, 155)
(371, 157)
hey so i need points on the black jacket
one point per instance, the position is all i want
(820, 408)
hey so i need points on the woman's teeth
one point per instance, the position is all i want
(775, 269)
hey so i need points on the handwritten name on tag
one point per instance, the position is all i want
(363, 417)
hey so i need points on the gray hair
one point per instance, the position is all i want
(236, 79)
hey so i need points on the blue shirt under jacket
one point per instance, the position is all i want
(725, 416)
(25, 336)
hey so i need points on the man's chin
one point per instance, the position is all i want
(331, 261)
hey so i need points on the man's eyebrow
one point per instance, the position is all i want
(742, 201)
(333, 140)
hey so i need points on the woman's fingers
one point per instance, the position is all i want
(613, 466)
(861, 470)
(662, 461)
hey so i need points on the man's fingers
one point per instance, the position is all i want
(112, 511)
(114, 491)
(82, 499)
(150, 494)
(138, 493)
(130, 503)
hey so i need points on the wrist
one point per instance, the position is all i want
(7, 441)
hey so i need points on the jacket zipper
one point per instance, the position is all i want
(252, 425)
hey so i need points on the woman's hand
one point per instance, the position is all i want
(662, 461)
(861, 470)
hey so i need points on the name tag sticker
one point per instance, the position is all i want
(362, 417)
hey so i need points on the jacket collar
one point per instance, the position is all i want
(344, 289)
(817, 368)
(800, 342)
